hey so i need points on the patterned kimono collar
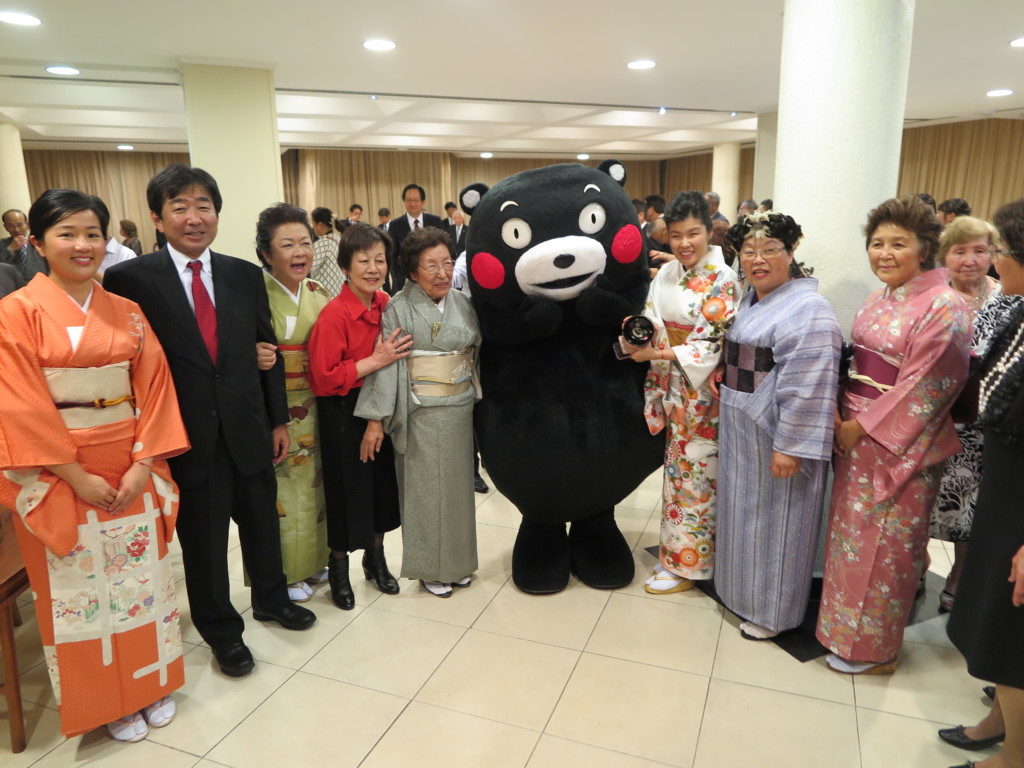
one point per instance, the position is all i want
(918, 285)
(794, 285)
(711, 261)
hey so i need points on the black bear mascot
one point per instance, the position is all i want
(555, 262)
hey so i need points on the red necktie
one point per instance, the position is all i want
(206, 314)
(415, 224)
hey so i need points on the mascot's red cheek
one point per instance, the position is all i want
(488, 271)
(627, 244)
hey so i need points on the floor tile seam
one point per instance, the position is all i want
(329, 641)
(260, 661)
(707, 694)
(384, 733)
(904, 714)
(660, 667)
(365, 686)
(860, 748)
(660, 598)
(779, 690)
(457, 711)
(610, 749)
(530, 639)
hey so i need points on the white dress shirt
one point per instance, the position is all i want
(116, 253)
(181, 262)
(412, 219)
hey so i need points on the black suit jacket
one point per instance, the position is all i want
(460, 241)
(232, 397)
(398, 230)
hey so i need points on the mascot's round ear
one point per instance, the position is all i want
(470, 197)
(615, 169)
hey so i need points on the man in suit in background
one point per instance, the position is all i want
(449, 215)
(458, 232)
(16, 250)
(383, 219)
(413, 196)
(209, 312)
(355, 213)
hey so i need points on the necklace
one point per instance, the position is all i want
(1007, 361)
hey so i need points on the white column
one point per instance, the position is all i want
(725, 177)
(842, 94)
(764, 155)
(232, 133)
(13, 179)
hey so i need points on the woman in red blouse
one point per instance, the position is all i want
(345, 346)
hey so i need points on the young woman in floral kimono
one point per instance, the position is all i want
(692, 301)
(88, 415)
(284, 243)
(893, 435)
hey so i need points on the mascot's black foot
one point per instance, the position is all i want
(540, 558)
(600, 555)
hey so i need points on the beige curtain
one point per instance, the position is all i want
(118, 178)
(642, 176)
(689, 172)
(981, 161)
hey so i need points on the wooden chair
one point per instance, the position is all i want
(13, 581)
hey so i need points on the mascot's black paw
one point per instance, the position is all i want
(600, 555)
(600, 305)
(540, 558)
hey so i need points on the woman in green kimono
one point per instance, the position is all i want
(284, 243)
(425, 404)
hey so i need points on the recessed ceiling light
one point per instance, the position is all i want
(641, 64)
(582, 156)
(732, 114)
(62, 70)
(379, 44)
(373, 97)
(125, 147)
(662, 110)
(1018, 43)
(19, 19)
(486, 155)
(995, 93)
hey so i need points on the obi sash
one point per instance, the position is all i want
(296, 366)
(746, 366)
(677, 334)
(441, 375)
(872, 375)
(91, 397)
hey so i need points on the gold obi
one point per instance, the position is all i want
(296, 366)
(441, 375)
(91, 397)
(678, 334)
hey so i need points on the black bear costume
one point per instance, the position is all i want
(554, 260)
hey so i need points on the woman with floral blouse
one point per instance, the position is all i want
(692, 301)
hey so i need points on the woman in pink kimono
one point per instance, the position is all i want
(893, 435)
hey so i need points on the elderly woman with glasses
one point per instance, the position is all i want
(425, 404)
(778, 399)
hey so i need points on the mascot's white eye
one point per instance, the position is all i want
(592, 218)
(517, 233)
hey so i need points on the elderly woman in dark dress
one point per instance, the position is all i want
(987, 623)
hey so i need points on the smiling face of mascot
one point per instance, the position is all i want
(551, 232)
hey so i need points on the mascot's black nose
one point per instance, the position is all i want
(565, 261)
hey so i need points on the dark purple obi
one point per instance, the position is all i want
(869, 363)
(746, 366)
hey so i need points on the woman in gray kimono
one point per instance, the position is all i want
(778, 401)
(425, 404)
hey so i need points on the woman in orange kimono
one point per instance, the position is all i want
(88, 415)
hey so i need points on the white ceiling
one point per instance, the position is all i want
(530, 77)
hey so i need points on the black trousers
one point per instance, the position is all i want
(362, 498)
(203, 522)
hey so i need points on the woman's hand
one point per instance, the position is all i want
(392, 348)
(94, 490)
(715, 382)
(847, 435)
(279, 437)
(132, 484)
(373, 437)
(784, 466)
(266, 355)
(1017, 577)
(643, 354)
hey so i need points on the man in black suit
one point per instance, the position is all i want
(449, 216)
(413, 196)
(209, 312)
(458, 232)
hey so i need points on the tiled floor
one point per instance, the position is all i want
(496, 678)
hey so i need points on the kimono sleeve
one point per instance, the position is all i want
(806, 353)
(159, 431)
(272, 380)
(378, 398)
(700, 354)
(933, 373)
(32, 433)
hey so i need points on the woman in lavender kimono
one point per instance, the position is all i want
(911, 341)
(775, 435)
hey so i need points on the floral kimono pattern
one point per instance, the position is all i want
(691, 309)
(886, 484)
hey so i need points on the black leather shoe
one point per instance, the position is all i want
(990, 692)
(341, 590)
(968, 764)
(290, 616)
(234, 660)
(375, 568)
(959, 738)
(479, 485)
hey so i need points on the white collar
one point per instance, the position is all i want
(412, 218)
(88, 300)
(293, 296)
(181, 261)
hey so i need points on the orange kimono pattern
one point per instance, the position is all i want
(103, 585)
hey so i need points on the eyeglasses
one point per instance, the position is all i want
(435, 269)
(766, 254)
(998, 252)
